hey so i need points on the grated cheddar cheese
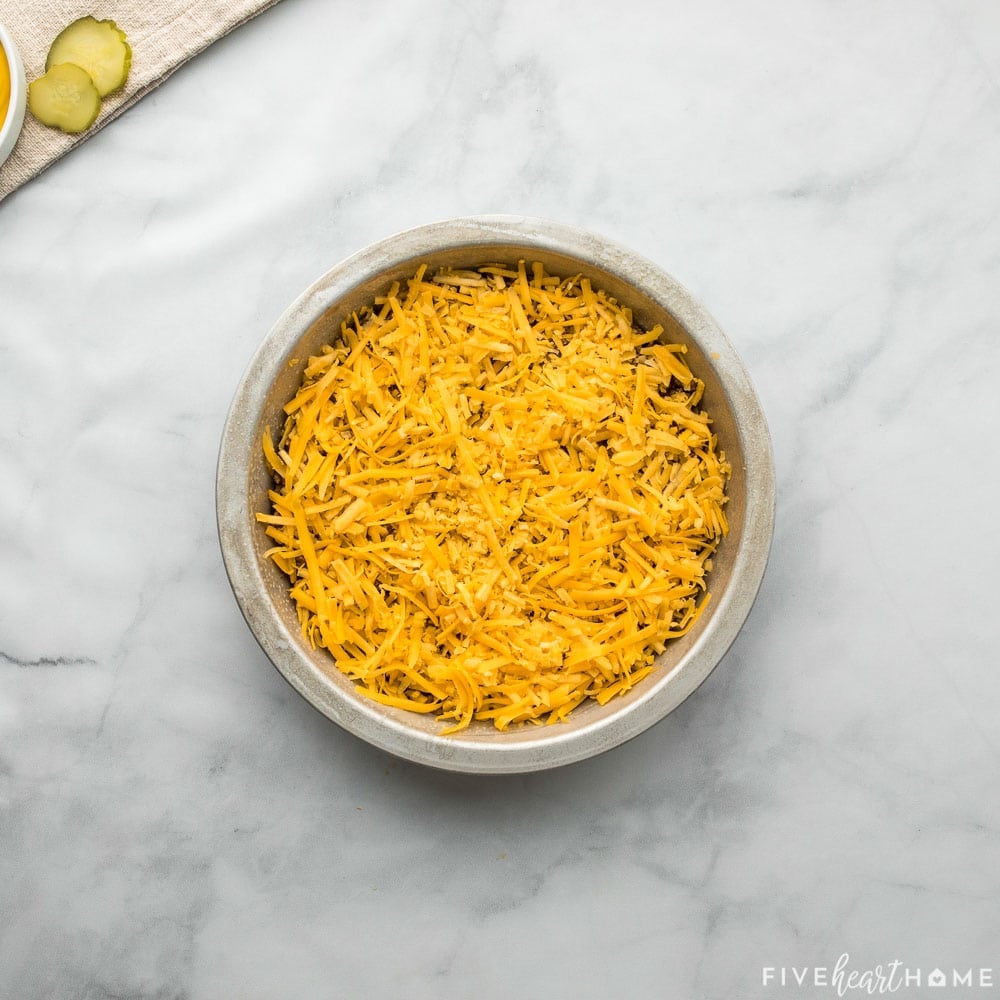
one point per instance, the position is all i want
(495, 497)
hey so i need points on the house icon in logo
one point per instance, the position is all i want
(937, 978)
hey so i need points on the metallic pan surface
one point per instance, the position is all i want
(275, 373)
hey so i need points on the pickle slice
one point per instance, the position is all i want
(99, 47)
(65, 97)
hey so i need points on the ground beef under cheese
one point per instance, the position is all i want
(495, 497)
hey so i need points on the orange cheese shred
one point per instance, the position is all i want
(495, 497)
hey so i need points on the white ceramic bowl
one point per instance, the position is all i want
(272, 379)
(10, 127)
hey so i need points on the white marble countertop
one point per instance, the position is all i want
(175, 822)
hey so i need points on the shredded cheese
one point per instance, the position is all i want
(495, 497)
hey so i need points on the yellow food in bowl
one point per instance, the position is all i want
(4, 86)
(495, 497)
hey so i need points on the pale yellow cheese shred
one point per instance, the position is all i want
(495, 497)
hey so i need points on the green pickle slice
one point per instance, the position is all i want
(99, 47)
(65, 98)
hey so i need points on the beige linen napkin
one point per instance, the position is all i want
(163, 34)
